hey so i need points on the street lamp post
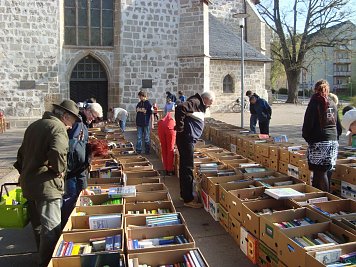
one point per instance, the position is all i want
(241, 17)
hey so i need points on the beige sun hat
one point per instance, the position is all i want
(348, 119)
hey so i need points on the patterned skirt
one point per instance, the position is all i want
(322, 155)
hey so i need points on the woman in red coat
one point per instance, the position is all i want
(167, 137)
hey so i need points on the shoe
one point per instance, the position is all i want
(193, 204)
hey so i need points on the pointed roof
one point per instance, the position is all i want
(225, 44)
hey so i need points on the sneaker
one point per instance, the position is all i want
(193, 204)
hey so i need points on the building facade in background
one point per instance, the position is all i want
(336, 64)
(110, 49)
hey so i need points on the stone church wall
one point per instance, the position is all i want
(254, 81)
(29, 52)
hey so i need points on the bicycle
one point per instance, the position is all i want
(236, 105)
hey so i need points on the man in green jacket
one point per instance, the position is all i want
(42, 163)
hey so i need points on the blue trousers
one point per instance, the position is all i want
(253, 122)
(143, 132)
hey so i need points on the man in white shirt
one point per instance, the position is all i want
(120, 115)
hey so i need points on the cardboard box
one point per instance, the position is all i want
(98, 181)
(158, 232)
(214, 182)
(295, 255)
(214, 209)
(263, 175)
(140, 174)
(345, 205)
(277, 181)
(269, 233)
(81, 222)
(234, 229)
(97, 200)
(84, 237)
(310, 260)
(75, 261)
(345, 169)
(162, 258)
(273, 164)
(283, 167)
(224, 218)
(266, 256)
(143, 197)
(143, 180)
(251, 218)
(239, 196)
(335, 187)
(296, 156)
(306, 176)
(142, 207)
(274, 152)
(133, 166)
(155, 187)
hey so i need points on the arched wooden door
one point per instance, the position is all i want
(88, 80)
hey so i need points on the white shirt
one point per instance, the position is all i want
(119, 114)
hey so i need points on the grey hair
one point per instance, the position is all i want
(58, 112)
(209, 95)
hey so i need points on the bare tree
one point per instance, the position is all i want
(314, 19)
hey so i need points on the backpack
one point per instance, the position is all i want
(78, 152)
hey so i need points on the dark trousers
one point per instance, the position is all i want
(186, 166)
(264, 126)
(45, 217)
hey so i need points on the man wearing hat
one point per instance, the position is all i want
(42, 162)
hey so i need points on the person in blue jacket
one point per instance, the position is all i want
(144, 122)
(263, 111)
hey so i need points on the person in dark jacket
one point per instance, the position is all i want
(189, 118)
(253, 114)
(78, 159)
(42, 163)
(143, 122)
(320, 132)
(171, 96)
(263, 112)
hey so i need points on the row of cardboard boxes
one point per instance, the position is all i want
(236, 198)
(111, 226)
(229, 184)
(278, 155)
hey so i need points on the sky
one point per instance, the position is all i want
(351, 5)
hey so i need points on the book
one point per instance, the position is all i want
(198, 256)
(105, 221)
(76, 249)
(123, 191)
(328, 256)
(282, 193)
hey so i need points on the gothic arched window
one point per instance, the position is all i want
(228, 84)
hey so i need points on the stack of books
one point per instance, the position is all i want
(163, 220)
(283, 193)
(208, 167)
(122, 191)
(318, 240)
(145, 211)
(295, 222)
(155, 242)
(69, 248)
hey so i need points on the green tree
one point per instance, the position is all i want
(301, 26)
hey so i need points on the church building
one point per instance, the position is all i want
(52, 50)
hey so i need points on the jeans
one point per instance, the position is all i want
(253, 122)
(143, 131)
(45, 216)
(73, 187)
(122, 124)
(186, 166)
